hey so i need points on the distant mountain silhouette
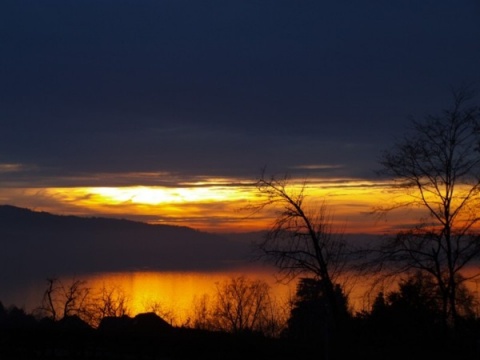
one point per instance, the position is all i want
(48, 244)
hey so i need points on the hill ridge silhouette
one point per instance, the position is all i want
(14, 212)
(37, 242)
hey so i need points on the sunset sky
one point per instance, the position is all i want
(166, 111)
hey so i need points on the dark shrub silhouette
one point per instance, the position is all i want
(309, 315)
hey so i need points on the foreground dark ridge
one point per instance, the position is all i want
(147, 336)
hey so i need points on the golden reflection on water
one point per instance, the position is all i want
(174, 293)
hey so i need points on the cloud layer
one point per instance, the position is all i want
(220, 88)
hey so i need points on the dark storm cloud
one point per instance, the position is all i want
(222, 88)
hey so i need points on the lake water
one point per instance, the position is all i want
(171, 292)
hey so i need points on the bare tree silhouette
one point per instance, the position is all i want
(302, 242)
(437, 167)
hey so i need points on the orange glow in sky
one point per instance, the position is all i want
(215, 206)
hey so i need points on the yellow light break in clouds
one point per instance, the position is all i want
(214, 206)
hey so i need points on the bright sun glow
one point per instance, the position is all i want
(163, 195)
